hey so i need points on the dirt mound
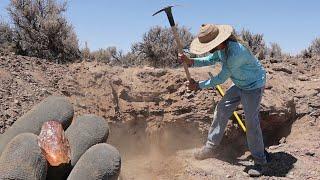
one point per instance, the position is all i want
(156, 121)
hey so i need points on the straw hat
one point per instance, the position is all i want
(210, 36)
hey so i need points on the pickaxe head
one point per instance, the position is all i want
(169, 14)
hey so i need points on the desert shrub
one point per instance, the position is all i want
(85, 53)
(306, 53)
(42, 31)
(275, 51)
(6, 38)
(104, 55)
(131, 59)
(312, 51)
(255, 42)
(315, 47)
(158, 47)
(110, 55)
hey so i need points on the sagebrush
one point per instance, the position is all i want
(158, 47)
(41, 30)
(255, 42)
(313, 50)
(86, 53)
(110, 55)
(6, 38)
(315, 47)
(275, 51)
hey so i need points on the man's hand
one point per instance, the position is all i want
(183, 58)
(193, 85)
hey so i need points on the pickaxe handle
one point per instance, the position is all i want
(235, 114)
(180, 50)
(168, 12)
(218, 87)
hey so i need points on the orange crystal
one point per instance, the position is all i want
(54, 144)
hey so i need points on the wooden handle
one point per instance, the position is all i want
(180, 50)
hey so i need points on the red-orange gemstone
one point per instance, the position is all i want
(54, 144)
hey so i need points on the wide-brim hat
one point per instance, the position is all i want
(209, 37)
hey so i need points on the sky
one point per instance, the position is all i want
(292, 24)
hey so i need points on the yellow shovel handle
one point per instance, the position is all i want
(234, 113)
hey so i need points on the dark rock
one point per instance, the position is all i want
(268, 86)
(274, 60)
(283, 69)
(303, 78)
(116, 81)
(309, 153)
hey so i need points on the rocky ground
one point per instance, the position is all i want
(157, 123)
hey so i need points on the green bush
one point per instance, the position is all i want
(41, 30)
(158, 47)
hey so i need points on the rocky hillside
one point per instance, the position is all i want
(147, 106)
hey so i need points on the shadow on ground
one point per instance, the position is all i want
(279, 166)
(280, 163)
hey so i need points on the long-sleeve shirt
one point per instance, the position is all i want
(238, 63)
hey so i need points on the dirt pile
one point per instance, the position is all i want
(151, 110)
(25, 82)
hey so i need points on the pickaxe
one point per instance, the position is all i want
(168, 11)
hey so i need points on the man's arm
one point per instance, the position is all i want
(216, 80)
(211, 59)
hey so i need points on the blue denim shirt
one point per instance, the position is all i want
(239, 64)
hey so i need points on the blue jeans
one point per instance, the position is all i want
(250, 100)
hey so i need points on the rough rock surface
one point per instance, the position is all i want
(54, 143)
(124, 94)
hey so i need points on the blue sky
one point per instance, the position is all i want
(291, 23)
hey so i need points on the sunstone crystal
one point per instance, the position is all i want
(54, 144)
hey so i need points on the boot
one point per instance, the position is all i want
(256, 170)
(205, 152)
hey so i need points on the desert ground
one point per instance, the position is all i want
(157, 123)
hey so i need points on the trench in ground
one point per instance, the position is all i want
(148, 152)
(145, 151)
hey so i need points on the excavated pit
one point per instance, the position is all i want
(149, 150)
(145, 150)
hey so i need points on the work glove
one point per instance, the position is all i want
(183, 58)
(193, 85)
(90, 156)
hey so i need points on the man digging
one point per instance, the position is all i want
(248, 77)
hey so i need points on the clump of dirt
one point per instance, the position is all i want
(157, 122)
